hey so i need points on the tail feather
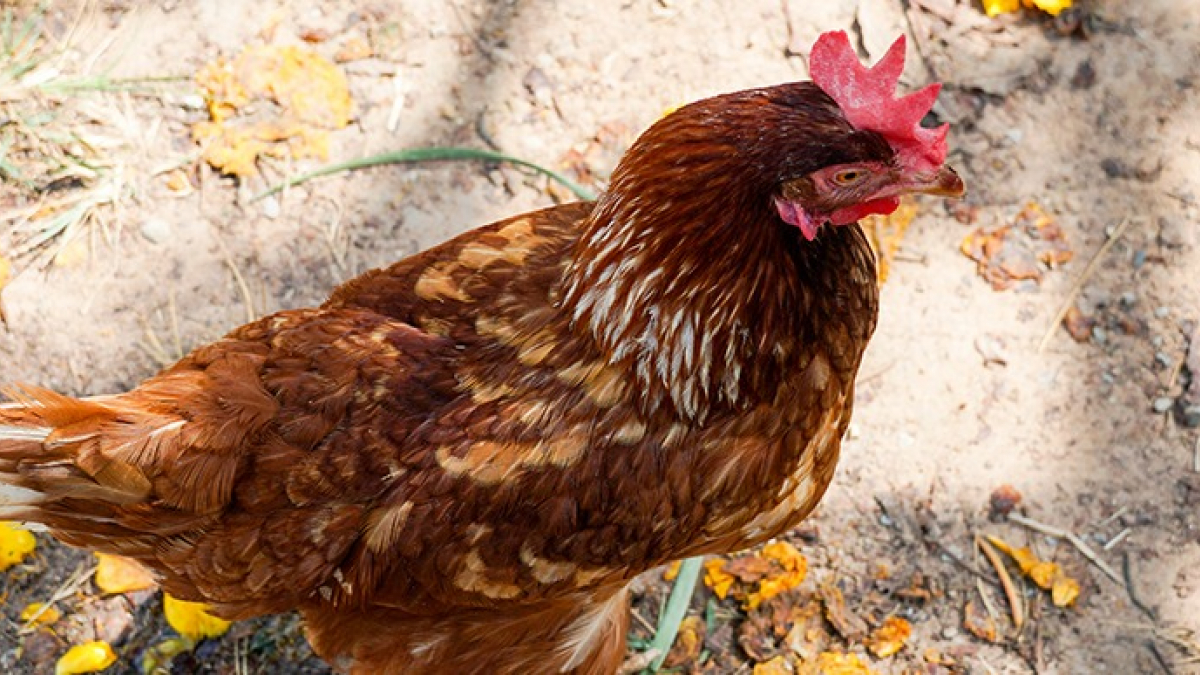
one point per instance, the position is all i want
(50, 449)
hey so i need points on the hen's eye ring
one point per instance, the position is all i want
(848, 177)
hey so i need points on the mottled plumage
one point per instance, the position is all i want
(457, 463)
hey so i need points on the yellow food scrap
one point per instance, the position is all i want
(776, 666)
(310, 96)
(835, 663)
(890, 637)
(1047, 575)
(887, 232)
(191, 620)
(716, 578)
(118, 574)
(672, 571)
(15, 544)
(1051, 7)
(34, 613)
(795, 568)
(89, 657)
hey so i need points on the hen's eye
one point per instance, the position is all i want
(848, 177)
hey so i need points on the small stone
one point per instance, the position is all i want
(1099, 335)
(1128, 299)
(192, 102)
(1163, 359)
(1139, 258)
(271, 208)
(1162, 312)
(1108, 377)
(1162, 404)
(156, 230)
(949, 633)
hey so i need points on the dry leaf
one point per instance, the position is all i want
(716, 578)
(117, 574)
(849, 625)
(1078, 324)
(191, 620)
(890, 637)
(887, 232)
(47, 617)
(979, 623)
(89, 657)
(15, 544)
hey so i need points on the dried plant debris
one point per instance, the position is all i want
(1021, 251)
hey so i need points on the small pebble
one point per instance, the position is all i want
(1162, 404)
(949, 633)
(1162, 312)
(1099, 335)
(270, 208)
(192, 102)
(1139, 258)
(1128, 299)
(156, 230)
(1163, 360)
(1108, 377)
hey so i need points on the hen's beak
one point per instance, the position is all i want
(944, 183)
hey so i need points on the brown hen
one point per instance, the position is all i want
(458, 463)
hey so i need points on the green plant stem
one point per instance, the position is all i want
(676, 609)
(427, 155)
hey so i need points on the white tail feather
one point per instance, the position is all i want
(11, 433)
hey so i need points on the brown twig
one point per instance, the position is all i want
(1127, 569)
(251, 315)
(1006, 582)
(1069, 301)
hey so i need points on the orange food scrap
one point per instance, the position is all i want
(15, 544)
(886, 232)
(117, 574)
(1016, 252)
(890, 637)
(1047, 575)
(688, 642)
(37, 616)
(310, 96)
(794, 567)
(835, 663)
(672, 571)
(89, 657)
(776, 666)
(192, 620)
(716, 578)
(1051, 7)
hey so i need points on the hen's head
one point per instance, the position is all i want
(829, 151)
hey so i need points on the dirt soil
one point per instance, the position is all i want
(1091, 116)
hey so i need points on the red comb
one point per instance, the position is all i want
(866, 96)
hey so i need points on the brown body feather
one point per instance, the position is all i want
(458, 462)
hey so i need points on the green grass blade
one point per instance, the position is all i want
(428, 155)
(677, 605)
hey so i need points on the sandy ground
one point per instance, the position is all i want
(957, 396)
